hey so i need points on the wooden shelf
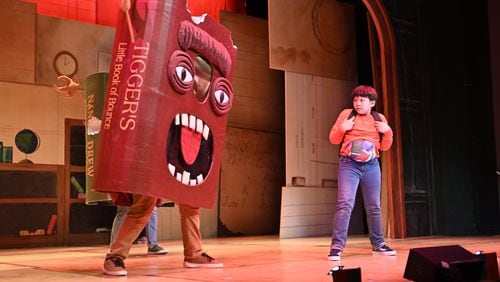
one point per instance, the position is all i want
(75, 168)
(72, 201)
(30, 241)
(29, 198)
(33, 195)
(29, 167)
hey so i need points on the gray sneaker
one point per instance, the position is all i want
(334, 254)
(114, 266)
(384, 250)
(156, 250)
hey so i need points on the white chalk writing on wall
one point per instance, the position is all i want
(251, 175)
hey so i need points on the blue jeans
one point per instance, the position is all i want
(351, 174)
(121, 212)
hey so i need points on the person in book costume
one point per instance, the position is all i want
(168, 96)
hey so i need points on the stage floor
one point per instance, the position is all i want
(261, 258)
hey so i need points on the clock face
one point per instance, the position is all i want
(65, 63)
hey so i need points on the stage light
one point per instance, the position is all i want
(341, 274)
(334, 269)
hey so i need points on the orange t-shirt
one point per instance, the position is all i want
(364, 128)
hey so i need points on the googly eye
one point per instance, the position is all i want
(221, 96)
(180, 71)
(183, 75)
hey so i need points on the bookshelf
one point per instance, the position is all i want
(44, 205)
(84, 224)
(30, 205)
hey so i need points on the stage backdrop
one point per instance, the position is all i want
(252, 169)
(313, 37)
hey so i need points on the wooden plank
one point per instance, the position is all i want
(17, 41)
(8, 242)
(258, 90)
(27, 200)
(307, 211)
(306, 231)
(307, 220)
(308, 195)
(28, 167)
(311, 107)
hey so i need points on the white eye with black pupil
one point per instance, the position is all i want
(183, 74)
(221, 97)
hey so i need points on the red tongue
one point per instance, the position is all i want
(190, 144)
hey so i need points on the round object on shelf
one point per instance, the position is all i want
(27, 141)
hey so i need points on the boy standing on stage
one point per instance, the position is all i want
(361, 133)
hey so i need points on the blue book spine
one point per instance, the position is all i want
(7, 154)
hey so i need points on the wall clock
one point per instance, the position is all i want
(65, 63)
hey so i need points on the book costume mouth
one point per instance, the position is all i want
(189, 149)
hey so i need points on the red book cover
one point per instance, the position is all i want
(165, 112)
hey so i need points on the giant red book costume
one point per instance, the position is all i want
(168, 96)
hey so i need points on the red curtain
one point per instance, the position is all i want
(80, 10)
(212, 7)
(104, 12)
(107, 12)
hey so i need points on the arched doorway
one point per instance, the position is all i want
(392, 165)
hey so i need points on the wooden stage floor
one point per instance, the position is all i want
(262, 258)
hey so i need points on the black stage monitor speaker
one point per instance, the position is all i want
(490, 272)
(443, 263)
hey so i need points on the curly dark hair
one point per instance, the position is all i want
(365, 91)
